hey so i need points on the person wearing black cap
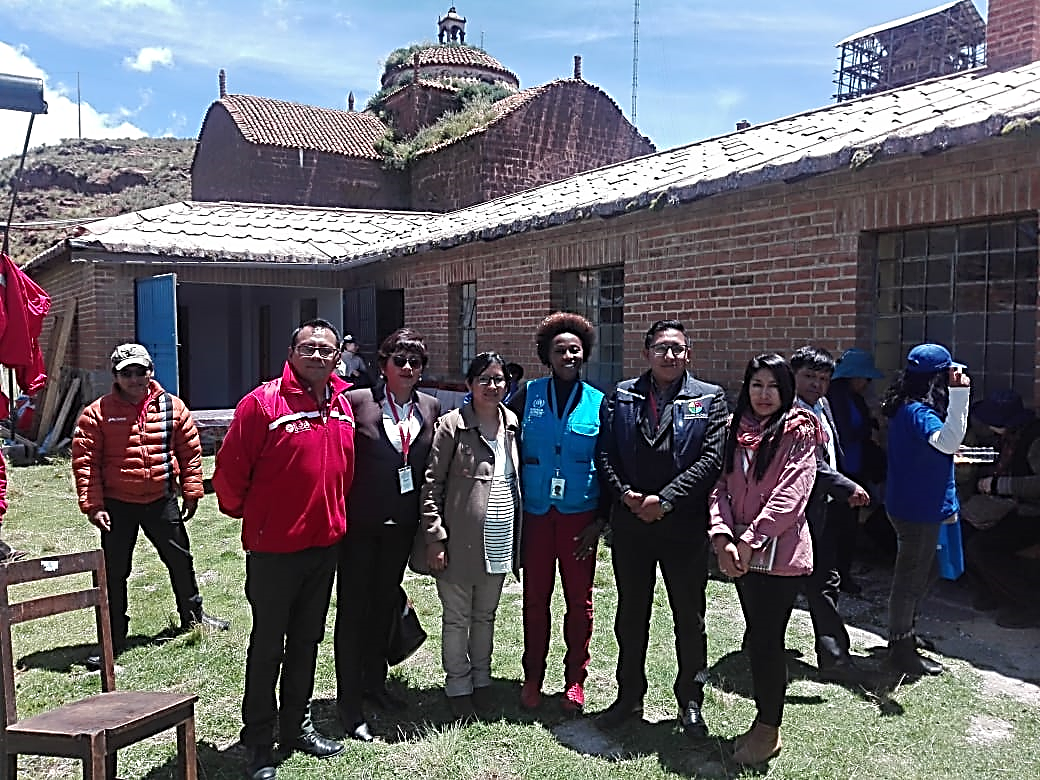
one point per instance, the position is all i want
(1005, 556)
(928, 410)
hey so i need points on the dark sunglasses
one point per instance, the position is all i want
(406, 360)
(135, 371)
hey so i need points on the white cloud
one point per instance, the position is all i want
(150, 56)
(62, 118)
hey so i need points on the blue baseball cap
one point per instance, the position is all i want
(856, 363)
(930, 358)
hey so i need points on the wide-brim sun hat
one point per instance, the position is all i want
(1002, 409)
(856, 363)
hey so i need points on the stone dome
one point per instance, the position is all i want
(452, 61)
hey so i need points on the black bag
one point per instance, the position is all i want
(406, 633)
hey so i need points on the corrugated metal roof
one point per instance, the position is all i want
(928, 116)
(908, 20)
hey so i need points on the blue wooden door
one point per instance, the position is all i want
(157, 326)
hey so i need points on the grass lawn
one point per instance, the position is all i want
(896, 729)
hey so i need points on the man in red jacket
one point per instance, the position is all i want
(285, 469)
(133, 451)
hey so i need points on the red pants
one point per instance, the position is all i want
(547, 539)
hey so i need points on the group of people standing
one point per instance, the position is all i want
(345, 485)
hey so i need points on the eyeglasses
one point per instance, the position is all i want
(487, 381)
(407, 360)
(678, 350)
(309, 350)
(135, 371)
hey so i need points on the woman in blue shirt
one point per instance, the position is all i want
(559, 422)
(928, 407)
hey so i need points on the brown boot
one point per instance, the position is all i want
(742, 738)
(761, 744)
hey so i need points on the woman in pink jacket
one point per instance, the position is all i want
(760, 534)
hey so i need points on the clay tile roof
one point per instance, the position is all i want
(273, 122)
(453, 54)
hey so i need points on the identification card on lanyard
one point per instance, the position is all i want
(557, 485)
(404, 474)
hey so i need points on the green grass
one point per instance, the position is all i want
(927, 729)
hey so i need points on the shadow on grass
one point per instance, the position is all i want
(62, 659)
(213, 763)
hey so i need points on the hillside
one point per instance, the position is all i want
(83, 179)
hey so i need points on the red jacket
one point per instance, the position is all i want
(284, 469)
(120, 451)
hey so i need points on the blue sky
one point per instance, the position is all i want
(149, 67)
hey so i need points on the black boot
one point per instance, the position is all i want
(904, 658)
(196, 616)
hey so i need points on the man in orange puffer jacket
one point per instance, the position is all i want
(133, 451)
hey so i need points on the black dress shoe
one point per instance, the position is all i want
(619, 712)
(384, 700)
(462, 708)
(360, 732)
(692, 721)
(260, 762)
(314, 744)
(839, 670)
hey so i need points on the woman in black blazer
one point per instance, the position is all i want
(391, 442)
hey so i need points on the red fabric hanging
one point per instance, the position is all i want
(23, 305)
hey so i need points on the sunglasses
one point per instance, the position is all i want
(406, 360)
(309, 350)
(134, 371)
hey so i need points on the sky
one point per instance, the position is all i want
(149, 67)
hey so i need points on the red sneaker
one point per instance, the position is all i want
(530, 695)
(573, 698)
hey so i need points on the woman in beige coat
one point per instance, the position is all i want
(471, 524)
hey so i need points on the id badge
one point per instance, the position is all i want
(404, 479)
(556, 487)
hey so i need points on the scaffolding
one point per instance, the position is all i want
(932, 43)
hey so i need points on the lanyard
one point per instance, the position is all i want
(655, 421)
(561, 420)
(402, 425)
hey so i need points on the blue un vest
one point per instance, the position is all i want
(576, 458)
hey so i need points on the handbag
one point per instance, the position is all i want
(949, 550)
(984, 511)
(762, 559)
(406, 632)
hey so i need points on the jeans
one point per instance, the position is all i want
(915, 571)
(767, 601)
(468, 632)
(547, 539)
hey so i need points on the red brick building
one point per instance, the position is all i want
(903, 216)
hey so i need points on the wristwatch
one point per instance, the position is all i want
(666, 505)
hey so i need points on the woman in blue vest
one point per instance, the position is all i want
(928, 410)
(559, 417)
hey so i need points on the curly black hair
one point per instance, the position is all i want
(563, 322)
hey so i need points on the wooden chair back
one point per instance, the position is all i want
(93, 728)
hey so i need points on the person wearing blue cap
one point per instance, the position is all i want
(928, 410)
(863, 460)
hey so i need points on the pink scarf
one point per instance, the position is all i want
(799, 421)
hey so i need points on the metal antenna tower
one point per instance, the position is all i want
(635, 59)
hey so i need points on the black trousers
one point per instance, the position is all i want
(372, 560)
(821, 591)
(163, 527)
(289, 596)
(684, 567)
(767, 602)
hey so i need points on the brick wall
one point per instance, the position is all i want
(1012, 33)
(417, 106)
(770, 268)
(227, 167)
(572, 127)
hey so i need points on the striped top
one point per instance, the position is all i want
(498, 521)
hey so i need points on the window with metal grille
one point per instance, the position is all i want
(971, 288)
(599, 296)
(467, 324)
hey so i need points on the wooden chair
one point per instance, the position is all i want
(91, 729)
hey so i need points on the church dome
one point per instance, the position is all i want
(451, 61)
